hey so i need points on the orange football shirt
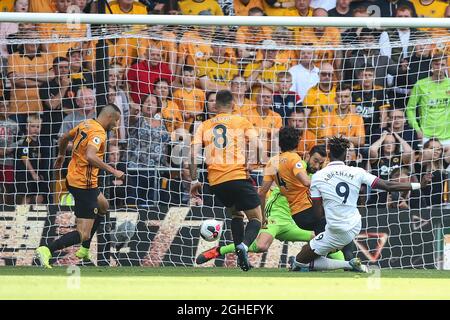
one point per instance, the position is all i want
(80, 173)
(283, 169)
(224, 139)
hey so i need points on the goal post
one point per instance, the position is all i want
(353, 77)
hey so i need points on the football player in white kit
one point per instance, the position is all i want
(335, 190)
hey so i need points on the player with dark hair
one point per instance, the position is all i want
(334, 192)
(89, 144)
(223, 138)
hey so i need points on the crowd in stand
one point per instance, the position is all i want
(386, 90)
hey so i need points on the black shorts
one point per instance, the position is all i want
(307, 220)
(240, 194)
(86, 206)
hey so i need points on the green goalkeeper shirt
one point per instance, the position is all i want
(433, 100)
(277, 206)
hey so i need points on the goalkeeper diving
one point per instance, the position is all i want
(292, 177)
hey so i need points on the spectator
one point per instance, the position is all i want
(280, 7)
(397, 199)
(147, 149)
(285, 101)
(305, 75)
(85, 101)
(118, 97)
(142, 75)
(388, 153)
(410, 70)
(173, 119)
(345, 123)
(79, 76)
(433, 160)
(243, 7)
(27, 70)
(320, 37)
(126, 7)
(400, 35)
(22, 33)
(196, 7)
(117, 134)
(8, 28)
(429, 8)
(430, 96)
(216, 72)
(396, 122)
(342, 9)
(302, 9)
(116, 188)
(307, 138)
(242, 104)
(284, 37)
(265, 121)
(123, 51)
(190, 100)
(54, 95)
(150, 144)
(251, 36)
(326, 4)
(211, 110)
(119, 82)
(29, 179)
(8, 136)
(385, 8)
(168, 45)
(320, 102)
(370, 103)
(62, 30)
(264, 73)
(157, 7)
(194, 46)
(42, 6)
(355, 158)
(358, 59)
(351, 35)
(82, 5)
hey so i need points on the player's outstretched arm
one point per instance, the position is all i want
(94, 160)
(62, 147)
(263, 191)
(402, 186)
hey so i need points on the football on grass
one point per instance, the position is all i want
(210, 230)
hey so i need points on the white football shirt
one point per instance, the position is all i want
(338, 186)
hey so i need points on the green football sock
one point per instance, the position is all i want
(231, 248)
(253, 247)
(338, 255)
(227, 249)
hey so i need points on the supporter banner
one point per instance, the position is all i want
(160, 236)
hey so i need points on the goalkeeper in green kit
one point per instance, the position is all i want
(431, 98)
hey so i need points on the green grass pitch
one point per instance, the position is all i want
(228, 283)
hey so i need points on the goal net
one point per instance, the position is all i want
(389, 96)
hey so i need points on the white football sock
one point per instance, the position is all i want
(322, 263)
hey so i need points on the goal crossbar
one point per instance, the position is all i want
(225, 20)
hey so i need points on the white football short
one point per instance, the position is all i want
(331, 240)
